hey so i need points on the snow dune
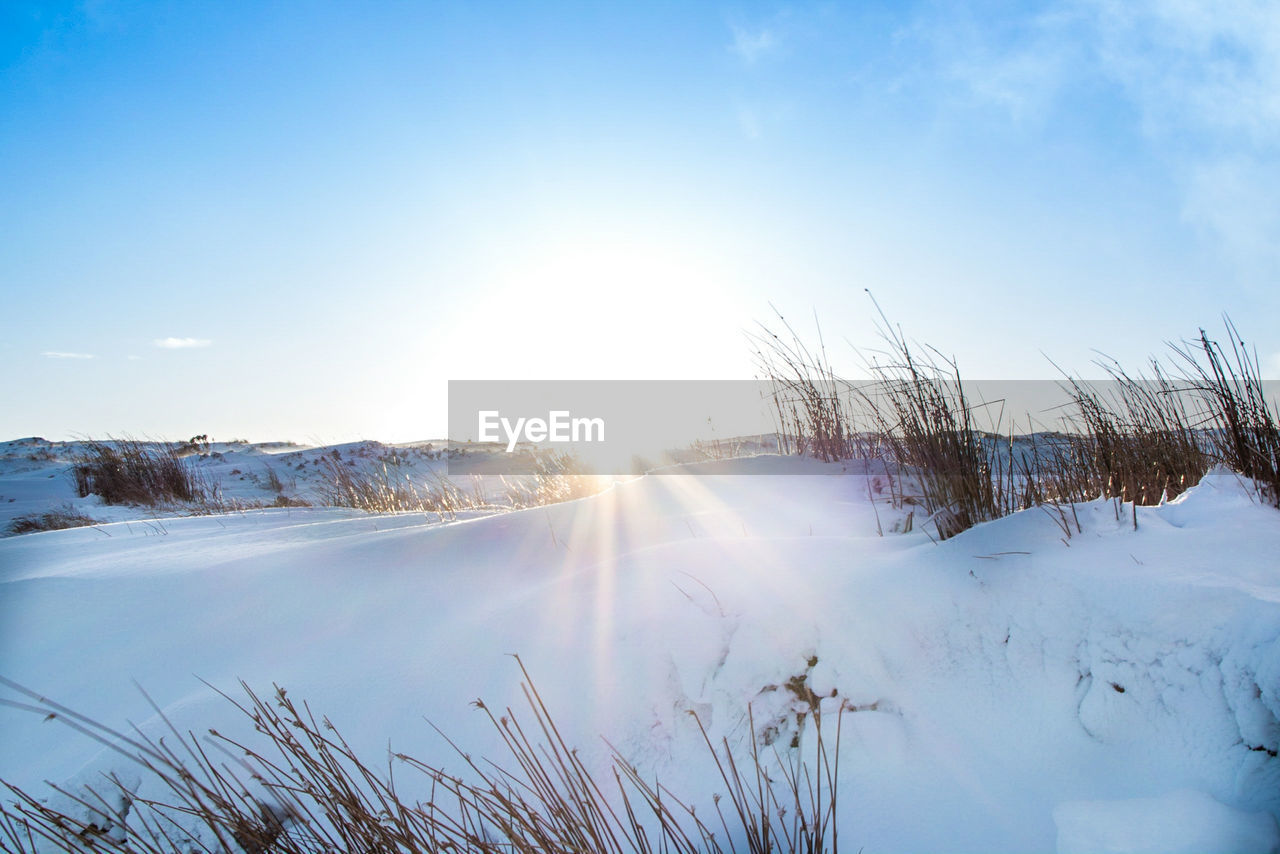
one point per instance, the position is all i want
(1022, 691)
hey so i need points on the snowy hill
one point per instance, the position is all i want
(35, 474)
(1024, 686)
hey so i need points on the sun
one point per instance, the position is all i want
(595, 305)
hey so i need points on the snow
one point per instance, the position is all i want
(1181, 822)
(1020, 690)
(35, 474)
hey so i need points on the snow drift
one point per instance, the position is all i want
(1017, 689)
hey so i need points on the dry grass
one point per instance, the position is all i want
(919, 423)
(303, 789)
(1243, 424)
(553, 479)
(1139, 443)
(1151, 439)
(376, 489)
(928, 427)
(273, 481)
(66, 516)
(1144, 441)
(129, 471)
(811, 404)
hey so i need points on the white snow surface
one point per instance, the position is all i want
(1117, 690)
(1182, 822)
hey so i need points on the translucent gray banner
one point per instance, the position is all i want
(620, 427)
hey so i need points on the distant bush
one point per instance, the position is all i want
(198, 444)
(128, 471)
(274, 483)
(57, 519)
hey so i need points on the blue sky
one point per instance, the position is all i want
(288, 220)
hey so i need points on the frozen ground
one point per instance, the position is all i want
(1118, 690)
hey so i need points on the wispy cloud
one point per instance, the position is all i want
(751, 45)
(181, 343)
(1018, 65)
(61, 354)
(1205, 78)
(1211, 67)
(1201, 79)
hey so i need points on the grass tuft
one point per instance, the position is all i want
(918, 422)
(810, 403)
(1243, 423)
(303, 789)
(129, 471)
(376, 489)
(554, 478)
(1138, 443)
(66, 516)
(928, 428)
(1142, 441)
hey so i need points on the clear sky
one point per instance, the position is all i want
(298, 220)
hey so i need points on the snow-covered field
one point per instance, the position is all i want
(35, 474)
(1117, 690)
